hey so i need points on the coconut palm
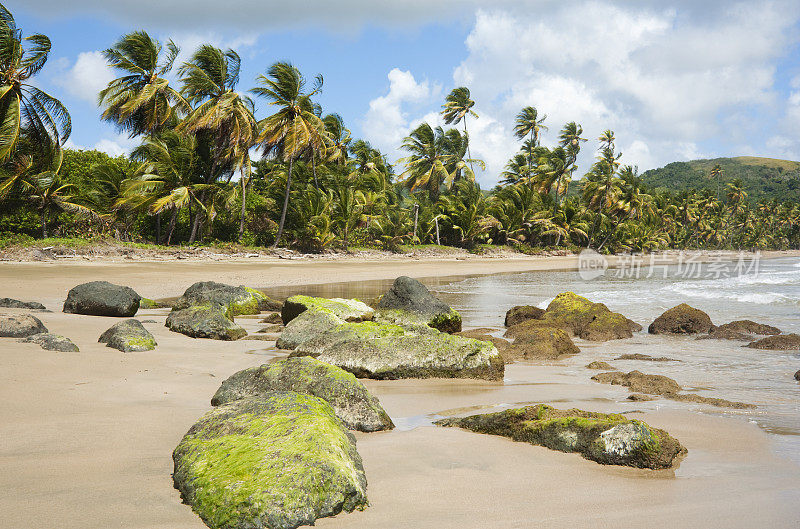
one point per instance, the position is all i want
(528, 123)
(339, 137)
(220, 114)
(141, 101)
(295, 127)
(425, 165)
(456, 108)
(24, 108)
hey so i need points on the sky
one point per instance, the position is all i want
(675, 79)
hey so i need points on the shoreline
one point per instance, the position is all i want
(88, 436)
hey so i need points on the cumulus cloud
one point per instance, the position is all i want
(88, 75)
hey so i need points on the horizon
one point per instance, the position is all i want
(677, 82)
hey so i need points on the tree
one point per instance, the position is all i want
(339, 137)
(716, 174)
(528, 123)
(221, 115)
(456, 108)
(141, 101)
(294, 127)
(24, 108)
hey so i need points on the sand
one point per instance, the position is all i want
(86, 438)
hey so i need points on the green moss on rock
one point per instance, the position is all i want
(353, 404)
(128, 336)
(236, 300)
(605, 438)
(205, 321)
(278, 462)
(351, 310)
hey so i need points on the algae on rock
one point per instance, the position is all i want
(278, 461)
(351, 401)
(128, 336)
(236, 300)
(409, 302)
(351, 310)
(205, 321)
(610, 439)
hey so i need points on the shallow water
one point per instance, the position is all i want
(767, 293)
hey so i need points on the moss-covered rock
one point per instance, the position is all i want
(128, 336)
(610, 439)
(409, 302)
(682, 319)
(639, 382)
(600, 365)
(384, 351)
(305, 327)
(351, 310)
(20, 325)
(52, 342)
(351, 401)
(522, 313)
(781, 342)
(542, 343)
(205, 321)
(727, 334)
(8, 303)
(483, 335)
(236, 300)
(277, 462)
(748, 327)
(101, 298)
(273, 317)
(646, 358)
(147, 303)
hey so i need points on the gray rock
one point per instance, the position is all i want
(623, 440)
(128, 336)
(8, 303)
(410, 296)
(780, 342)
(682, 319)
(52, 342)
(238, 300)
(346, 309)
(305, 327)
(521, 313)
(101, 298)
(797, 375)
(280, 461)
(353, 404)
(205, 321)
(20, 325)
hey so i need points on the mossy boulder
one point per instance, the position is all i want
(52, 342)
(610, 439)
(305, 327)
(205, 321)
(147, 303)
(542, 343)
(409, 302)
(483, 335)
(101, 298)
(682, 319)
(8, 303)
(236, 300)
(385, 351)
(128, 336)
(20, 325)
(780, 342)
(273, 317)
(600, 365)
(278, 461)
(351, 401)
(639, 382)
(586, 319)
(351, 310)
(522, 313)
(646, 358)
(748, 327)
(727, 334)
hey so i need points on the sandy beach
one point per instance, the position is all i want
(86, 438)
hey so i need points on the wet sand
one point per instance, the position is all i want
(86, 438)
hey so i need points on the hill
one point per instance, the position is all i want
(763, 178)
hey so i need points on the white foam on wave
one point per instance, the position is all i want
(712, 292)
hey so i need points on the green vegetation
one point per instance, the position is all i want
(314, 187)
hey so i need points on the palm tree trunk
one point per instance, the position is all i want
(44, 224)
(469, 153)
(314, 168)
(158, 228)
(172, 222)
(244, 208)
(195, 225)
(285, 204)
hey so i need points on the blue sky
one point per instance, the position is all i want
(675, 79)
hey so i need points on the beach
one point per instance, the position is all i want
(87, 437)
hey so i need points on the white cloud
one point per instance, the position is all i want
(87, 76)
(116, 146)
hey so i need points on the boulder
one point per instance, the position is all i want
(720, 403)
(410, 302)
(128, 336)
(273, 317)
(236, 300)
(638, 382)
(385, 351)
(610, 439)
(600, 365)
(682, 319)
(780, 342)
(641, 397)
(748, 327)
(647, 358)
(20, 325)
(483, 335)
(351, 310)
(521, 313)
(305, 327)
(52, 342)
(101, 298)
(726, 334)
(351, 401)
(580, 317)
(279, 461)
(542, 343)
(8, 303)
(205, 321)
(797, 375)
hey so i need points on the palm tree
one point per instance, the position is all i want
(425, 165)
(716, 174)
(457, 107)
(221, 114)
(23, 106)
(528, 122)
(295, 127)
(339, 137)
(141, 101)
